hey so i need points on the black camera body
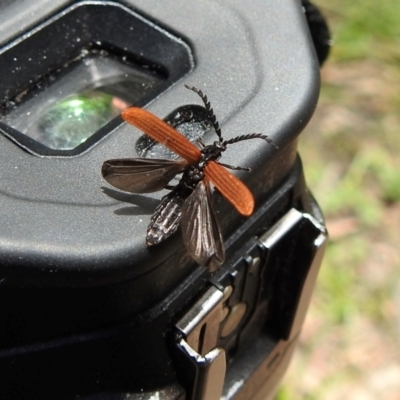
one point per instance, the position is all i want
(87, 310)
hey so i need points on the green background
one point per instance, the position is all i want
(349, 347)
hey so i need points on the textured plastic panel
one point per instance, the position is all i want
(60, 228)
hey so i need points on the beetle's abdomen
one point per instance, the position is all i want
(165, 220)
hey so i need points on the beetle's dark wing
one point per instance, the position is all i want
(141, 175)
(200, 229)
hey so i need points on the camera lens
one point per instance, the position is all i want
(63, 82)
(71, 105)
(71, 121)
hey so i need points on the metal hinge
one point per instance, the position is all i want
(218, 314)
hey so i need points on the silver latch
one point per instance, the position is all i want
(199, 330)
(222, 319)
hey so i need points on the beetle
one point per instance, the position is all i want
(189, 203)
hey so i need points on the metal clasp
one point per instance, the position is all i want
(199, 330)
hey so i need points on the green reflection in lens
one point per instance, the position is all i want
(70, 122)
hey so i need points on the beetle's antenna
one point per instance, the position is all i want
(251, 136)
(234, 168)
(209, 109)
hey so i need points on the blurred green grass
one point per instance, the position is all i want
(349, 347)
(364, 28)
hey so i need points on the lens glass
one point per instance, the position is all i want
(72, 120)
(80, 100)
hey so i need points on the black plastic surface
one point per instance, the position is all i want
(57, 353)
(60, 229)
(78, 286)
(319, 30)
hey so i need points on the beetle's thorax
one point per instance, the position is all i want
(212, 152)
(194, 173)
